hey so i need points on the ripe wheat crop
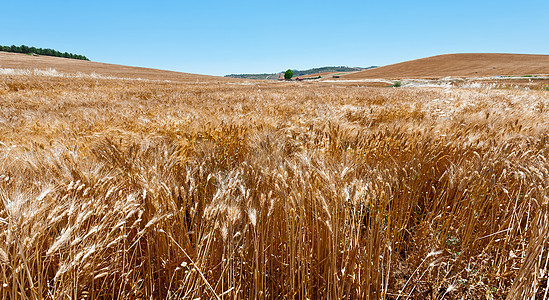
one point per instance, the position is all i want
(126, 189)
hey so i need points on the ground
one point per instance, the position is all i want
(461, 65)
(118, 187)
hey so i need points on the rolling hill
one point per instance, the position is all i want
(322, 71)
(460, 65)
(72, 66)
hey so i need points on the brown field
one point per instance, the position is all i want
(113, 188)
(460, 65)
(74, 66)
(323, 74)
(532, 84)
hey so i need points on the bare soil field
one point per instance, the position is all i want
(460, 65)
(324, 74)
(127, 189)
(74, 66)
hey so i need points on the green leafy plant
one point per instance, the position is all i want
(288, 74)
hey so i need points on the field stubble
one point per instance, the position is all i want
(133, 189)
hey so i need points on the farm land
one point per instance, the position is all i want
(231, 189)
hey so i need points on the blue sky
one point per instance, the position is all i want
(223, 37)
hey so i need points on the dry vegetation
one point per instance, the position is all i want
(460, 65)
(140, 189)
(22, 62)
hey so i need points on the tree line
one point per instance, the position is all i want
(41, 51)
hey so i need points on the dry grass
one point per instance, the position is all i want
(138, 189)
(460, 65)
(62, 66)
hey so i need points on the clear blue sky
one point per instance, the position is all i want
(223, 37)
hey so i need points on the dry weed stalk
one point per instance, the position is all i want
(129, 189)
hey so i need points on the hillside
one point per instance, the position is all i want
(313, 71)
(262, 76)
(328, 70)
(73, 66)
(460, 65)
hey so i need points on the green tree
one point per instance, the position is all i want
(288, 74)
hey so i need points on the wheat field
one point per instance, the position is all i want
(142, 189)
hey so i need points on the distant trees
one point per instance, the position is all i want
(40, 51)
(288, 74)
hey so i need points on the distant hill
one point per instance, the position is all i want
(265, 76)
(460, 65)
(75, 66)
(274, 76)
